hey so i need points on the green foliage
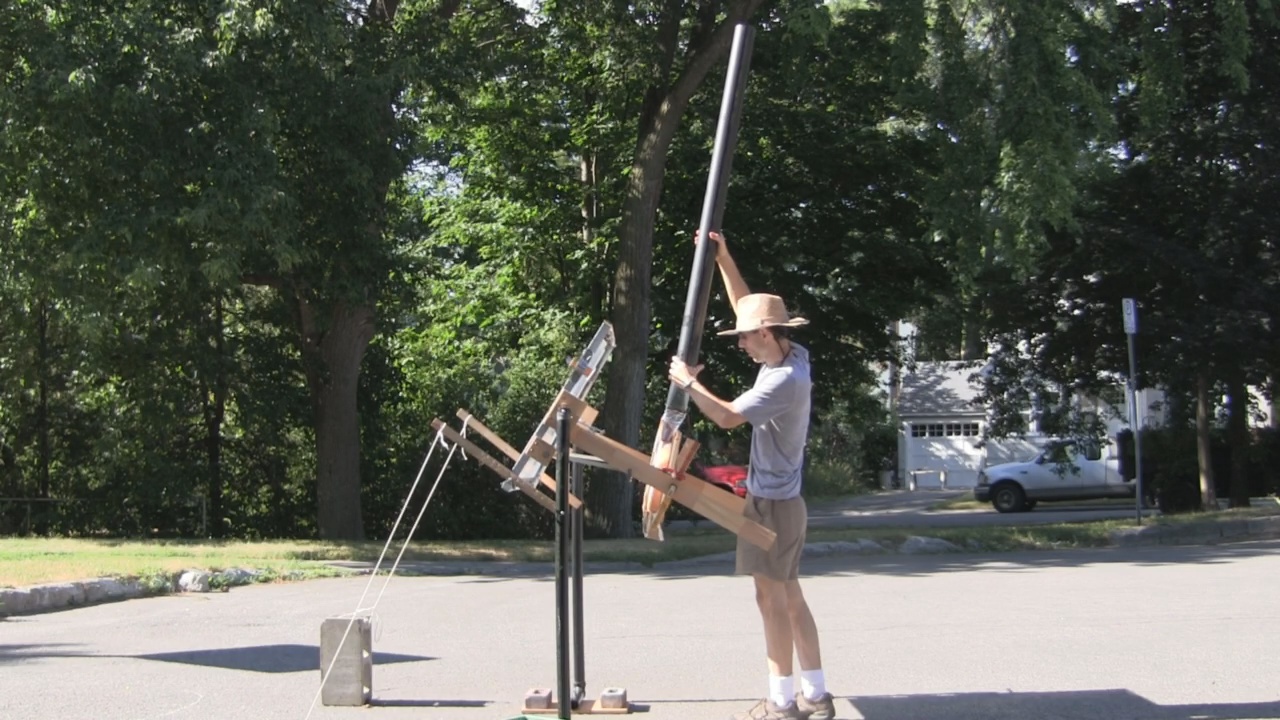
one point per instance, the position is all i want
(851, 446)
(197, 201)
(1175, 221)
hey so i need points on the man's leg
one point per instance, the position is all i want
(771, 597)
(813, 701)
(804, 631)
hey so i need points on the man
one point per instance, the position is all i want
(777, 406)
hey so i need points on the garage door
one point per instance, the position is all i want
(944, 446)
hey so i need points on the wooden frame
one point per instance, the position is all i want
(669, 483)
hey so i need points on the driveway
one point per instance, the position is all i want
(1150, 633)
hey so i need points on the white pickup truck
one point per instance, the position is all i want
(1063, 470)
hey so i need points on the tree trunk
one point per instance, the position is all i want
(1204, 453)
(596, 304)
(1275, 403)
(971, 345)
(333, 357)
(1238, 437)
(44, 442)
(215, 413)
(44, 446)
(608, 497)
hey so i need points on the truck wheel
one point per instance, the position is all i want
(1029, 505)
(1008, 498)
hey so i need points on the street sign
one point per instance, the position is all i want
(1130, 316)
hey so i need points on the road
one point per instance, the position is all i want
(899, 507)
(1150, 633)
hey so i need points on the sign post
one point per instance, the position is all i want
(1130, 309)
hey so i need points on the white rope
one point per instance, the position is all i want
(430, 494)
(439, 441)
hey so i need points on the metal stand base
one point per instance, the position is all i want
(612, 701)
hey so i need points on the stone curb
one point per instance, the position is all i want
(44, 598)
(61, 596)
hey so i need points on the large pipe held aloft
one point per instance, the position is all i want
(704, 263)
(695, 306)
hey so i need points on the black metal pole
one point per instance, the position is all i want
(564, 702)
(704, 262)
(579, 644)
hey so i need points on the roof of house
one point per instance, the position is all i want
(940, 388)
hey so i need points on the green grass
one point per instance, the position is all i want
(960, 502)
(33, 561)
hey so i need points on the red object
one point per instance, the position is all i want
(732, 478)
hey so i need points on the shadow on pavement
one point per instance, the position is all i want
(375, 702)
(257, 658)
(1150, 556)
(1079, 705)
(854, 563)
(1021, 561)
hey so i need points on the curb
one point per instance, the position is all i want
(1200, 533)
(44, 598)
(63, 596)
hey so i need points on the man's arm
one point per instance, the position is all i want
(717, 410)
(734, 285)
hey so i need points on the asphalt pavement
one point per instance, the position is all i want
(1141, 633)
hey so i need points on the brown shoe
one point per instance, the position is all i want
(766, 710)
(824, 708)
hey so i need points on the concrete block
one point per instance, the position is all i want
(613, 698)
(350, 681)
(538, 699)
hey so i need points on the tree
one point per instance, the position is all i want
(687, 40)
(154, 139)
(1017, 101)
(1174, 220)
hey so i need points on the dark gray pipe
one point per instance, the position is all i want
(562, 693)
(704, 261)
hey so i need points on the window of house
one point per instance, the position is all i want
(970, 429)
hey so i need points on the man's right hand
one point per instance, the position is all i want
(722, 245)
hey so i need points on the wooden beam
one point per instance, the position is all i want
(685, 458)
(723, 508)
(496, 440)
(502, 470)
(472, 422)
(529, 465)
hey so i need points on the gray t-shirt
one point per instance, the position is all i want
(777, 407)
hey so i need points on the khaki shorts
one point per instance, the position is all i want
(790, 520)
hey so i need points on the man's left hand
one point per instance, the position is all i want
(682, 374)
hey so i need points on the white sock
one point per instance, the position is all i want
(813, 684)
(782, 690)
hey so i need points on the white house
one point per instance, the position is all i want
(942, 423)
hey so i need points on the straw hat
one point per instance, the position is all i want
(761, 310)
